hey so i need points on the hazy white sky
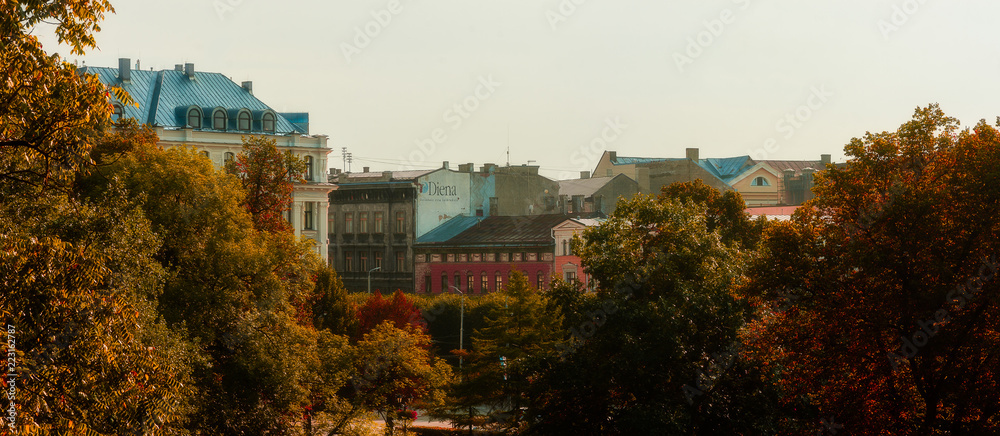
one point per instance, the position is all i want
(566, 77)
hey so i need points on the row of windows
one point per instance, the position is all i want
(371, 222)
(358, 261)
(220, 120)
(483, 257)
(470, 282)
(230, 156)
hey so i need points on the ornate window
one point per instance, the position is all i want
(243, 120)
(268, 122)
(219, 120)
(308, 214)
(484, 285)
(194, 118)
(309, 168)
(379, 228)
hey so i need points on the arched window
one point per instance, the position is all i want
(309, 168)
(760, 181)
(244, 121)
(219, 120)
(229, 157)
(484, 285)
(116, 113)
(206, 154)
(541, 280)
(194, 119)
(499, 282)
(268, 122)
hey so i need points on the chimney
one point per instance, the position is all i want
(612, 156)
(248, 85)
(599, 203)
(824, 160)
(124, 69)
(465, 168)
(577, 204)
(692, 153)
(178, 67)
(444, 165)
(387, 175)
(364, 169)
(584, 174)
(189, 70)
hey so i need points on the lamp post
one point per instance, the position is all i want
(461, 326)
(370, 278)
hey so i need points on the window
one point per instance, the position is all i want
(219, 120)
(229, 157)
(458, 280)
(570, 276)
(309, 168)
(565, 245)
(470, 280)
(499, 282)
(244, 120)
(541, 280)
(363, 222)
(400, 222)
(268, 122)
(760, 181)
(348, 261)
(116, 112)
(330, 221)
(378, 223)
(363, 261)
(400, 261)
(348, 222)
(206, 154)
(444, 282)
(377, 260)
(307, 216)
(427, 284)
(194, 118)
(484, 285)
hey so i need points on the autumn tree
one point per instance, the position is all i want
(725, 211)
(399, 310)
(268, 177)
(888, 278)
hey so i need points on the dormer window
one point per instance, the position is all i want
(760, 181)
(219, 120)
(243, 121)
(268, 122)
(116, 112)
(194, 118)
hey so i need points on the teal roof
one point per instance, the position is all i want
(449, 229)
(728, 168)
(165, 96)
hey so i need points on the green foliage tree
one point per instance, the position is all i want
(333, 310)
(520, 333)
(893, 317)
(724, 212)
(268, 178)
(665, 316)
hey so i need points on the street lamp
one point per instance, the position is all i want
(461, 326)
(370, 278)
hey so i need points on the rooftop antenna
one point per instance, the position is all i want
(508, 144)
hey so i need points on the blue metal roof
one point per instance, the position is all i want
(164, 97)
(726, 169)
(449, 229)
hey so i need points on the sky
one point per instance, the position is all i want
(408, 84)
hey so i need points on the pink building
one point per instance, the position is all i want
(567, 263)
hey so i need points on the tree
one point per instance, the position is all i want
(268, 177)
(520, 333)
(399, 310)
(889, 280)
(333, 311)
(658, 347)
(395, 370)
(724, 211)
